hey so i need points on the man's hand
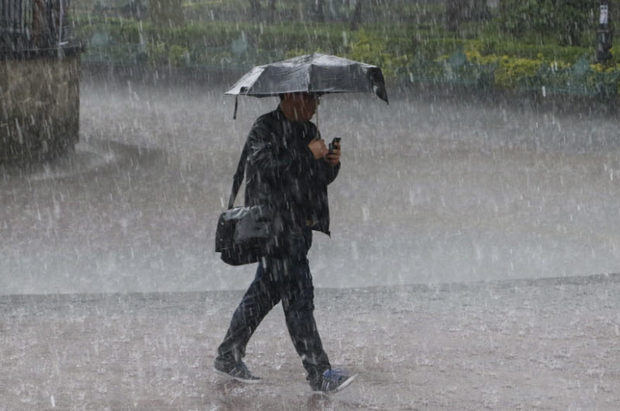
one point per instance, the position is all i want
(333, 157)
(318, 148)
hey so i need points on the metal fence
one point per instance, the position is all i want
(16, 16)
(33, 24)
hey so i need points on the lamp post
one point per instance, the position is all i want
(603, 34)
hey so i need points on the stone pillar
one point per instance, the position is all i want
(39, 107)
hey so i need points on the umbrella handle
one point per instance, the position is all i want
(317, 118)
(236, 105)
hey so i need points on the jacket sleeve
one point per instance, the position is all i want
(325, 171)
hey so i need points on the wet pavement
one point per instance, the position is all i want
(531, 344)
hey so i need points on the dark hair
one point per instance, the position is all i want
(317, 94)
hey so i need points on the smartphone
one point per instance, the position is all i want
(332, 145)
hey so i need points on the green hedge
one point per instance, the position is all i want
(403, 51)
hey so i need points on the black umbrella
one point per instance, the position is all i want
(311, 73)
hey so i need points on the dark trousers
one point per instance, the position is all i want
(285, 279)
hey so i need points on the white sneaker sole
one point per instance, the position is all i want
(243, 380)
(341, 387)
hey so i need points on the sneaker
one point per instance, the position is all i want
(237, 371)
(334, 381)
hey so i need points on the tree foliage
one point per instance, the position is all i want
(166, 12)
(459, 11)
(564, 20)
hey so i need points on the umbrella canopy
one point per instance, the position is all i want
(311, 73)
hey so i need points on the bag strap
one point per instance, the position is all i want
(238, 177)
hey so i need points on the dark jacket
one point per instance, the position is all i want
(282, 173)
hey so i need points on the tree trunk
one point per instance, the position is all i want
(272, 10)
(356, 19)
(255, 9)
(319, 10)
(458, 11)
(453, 12)
(480, 10)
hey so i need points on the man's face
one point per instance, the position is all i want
(303, 104)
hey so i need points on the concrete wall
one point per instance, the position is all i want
(39, 107)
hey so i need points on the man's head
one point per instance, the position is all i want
(299, 106)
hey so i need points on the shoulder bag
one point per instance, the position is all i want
(242, 232)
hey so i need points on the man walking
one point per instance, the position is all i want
(288, 169)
